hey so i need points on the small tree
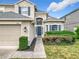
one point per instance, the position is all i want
(23, 43)
(77, 33)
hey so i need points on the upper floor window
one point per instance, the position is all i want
(24, 11)
(39, 21)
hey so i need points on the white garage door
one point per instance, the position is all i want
(9, 35)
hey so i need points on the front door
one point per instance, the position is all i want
(39, 30)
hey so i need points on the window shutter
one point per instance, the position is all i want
(46, 28)
(59, 27)
(19, 10)
(28, 11)
(50, 27)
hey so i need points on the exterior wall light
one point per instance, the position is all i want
(25, 29)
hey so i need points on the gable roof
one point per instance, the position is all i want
(11, 15)
(26, 1)
(50, 18)
(3, 2)
(69, 13)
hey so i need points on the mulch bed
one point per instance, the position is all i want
(32, 46)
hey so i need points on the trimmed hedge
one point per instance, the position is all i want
(23, 43)
(59, 33)
(77, 33)
(59, 36)
(58, 39)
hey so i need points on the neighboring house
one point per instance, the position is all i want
(72, 20)
(23, 19)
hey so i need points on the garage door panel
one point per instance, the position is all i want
(9, 35)
(9, 43)
(4, 38)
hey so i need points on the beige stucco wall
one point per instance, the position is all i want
(41, 15)
(30, 28)
(7, 8)
(14, 8)
(29, 32)
(55, 19)
(10, 22)
(54, 23)
(26, 4)
(2, 8)
(44, 17)
(72, 20)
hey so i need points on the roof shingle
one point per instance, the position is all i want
(11, 15)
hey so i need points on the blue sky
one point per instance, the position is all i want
(44, 4)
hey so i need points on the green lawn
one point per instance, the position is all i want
(62, 51)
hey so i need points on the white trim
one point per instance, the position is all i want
(25, 1)
(38, 17)
(22, 10)
(62, 25)
(39, 25)
(27, 19)
(10, 22)
(9, 47)
(41, 12)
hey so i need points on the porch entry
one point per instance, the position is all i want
(39, 31)
(38, 25)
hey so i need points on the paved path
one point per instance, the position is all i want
(37, 53)
(5, 53)
(12, 53)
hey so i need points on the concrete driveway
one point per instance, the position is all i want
(6, 52)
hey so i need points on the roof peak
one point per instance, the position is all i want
(24, 0)
(3, 2)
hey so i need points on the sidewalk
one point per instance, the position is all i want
(4, 53)
(38, 52)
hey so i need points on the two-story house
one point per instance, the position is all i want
(23, 19)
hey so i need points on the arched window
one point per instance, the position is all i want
(39, 21)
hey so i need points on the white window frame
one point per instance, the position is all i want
(52, 28)
(39, 19)
(62, 26)
(24, 11)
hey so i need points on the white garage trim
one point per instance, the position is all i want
(10, 22)
(9, 47)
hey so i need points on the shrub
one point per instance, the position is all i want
(77, 33)
(59, 36)
(58, 39)
(59, 33)
(23, 43)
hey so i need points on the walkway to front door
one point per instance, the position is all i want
(36, 54)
